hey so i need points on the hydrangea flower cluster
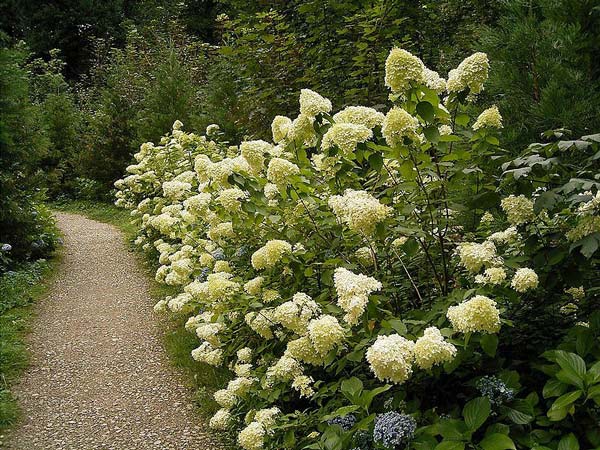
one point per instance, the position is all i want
(495, 390)
(360, 115)
(280, 170)
(346, 137)
(431, 349)
(524, 280)
(353, 292)
(478, 314)
(312, 103)
(325, 333)
(402, 68)
(270, 254)
(399, 124)
(471, 73)
(518, 209)
(359, 210)
(344, 422)
(490, 118)
(391, 358)
(474, 256)
(394, 429)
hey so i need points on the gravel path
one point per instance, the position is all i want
(99, 377)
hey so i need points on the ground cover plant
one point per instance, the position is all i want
(384, 278)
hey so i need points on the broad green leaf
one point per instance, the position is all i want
(451, 428)
(568, 442)
(426, 111)
(376, 161)
(368, 396)
(554, 388)
(489, 344)
(593, 375)
(476, 412)
(572, 365)
(497, 441)
(450, 445)
(462, 119)
(351, 388)
(565, 400)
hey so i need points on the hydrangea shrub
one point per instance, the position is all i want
(349, 274)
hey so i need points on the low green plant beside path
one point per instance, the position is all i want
(18, 292)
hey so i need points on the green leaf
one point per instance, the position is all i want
(340, 412)
(426, 111)
(462, 119)
(565, 400)
(492, 140)
(351, 388)
(476, 412)
(289, 440)
(521, 414)
(450, 445)
(497, 441)
(489, 344)
(452, 428)
(568, 442)
(432, 134)
(368, 396)
(554, 388)
(376, 161)
(593, 375)
(573, 367)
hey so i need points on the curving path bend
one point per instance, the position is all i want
(99, 377)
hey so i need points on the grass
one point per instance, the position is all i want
(202, 378)
(19, 290)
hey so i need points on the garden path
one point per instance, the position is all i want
(99, 377)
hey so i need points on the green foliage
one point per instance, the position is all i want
(545, 67)
(139, 90)
(25, 225)
(19, 290)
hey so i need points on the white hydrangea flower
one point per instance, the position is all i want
(401, 69)
(252, 437)
(221, 420)
(225, 398)
(474, 256)
(431, 349)
(399, 124)
(281, 128)
(360, 115)
(312, 103)
(478, 314)
(346, 136)
(353, 292)
(391, 358)
(359, 210)
(280, 170)
(524, 280)
(244, 355)
(325, 333)
(303, 384)
(267, 416)
(519, 209)
(490, 118)
(270, 254)
(471, 73)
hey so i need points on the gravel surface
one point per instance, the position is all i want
(99, 377)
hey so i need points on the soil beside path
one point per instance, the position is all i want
(99, 377)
